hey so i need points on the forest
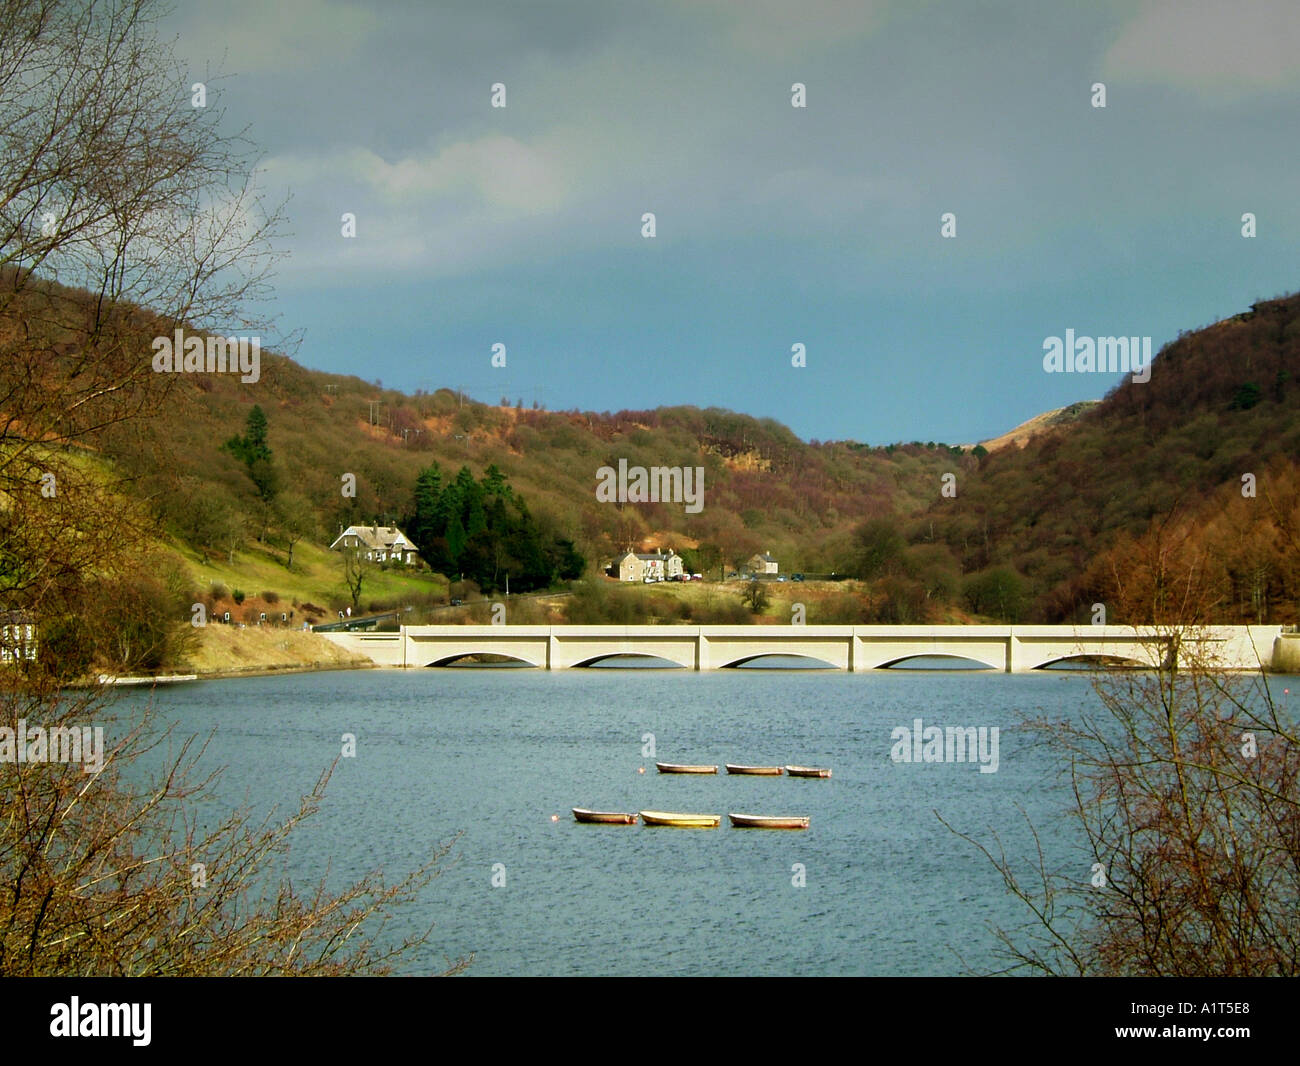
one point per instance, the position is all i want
(482, 530)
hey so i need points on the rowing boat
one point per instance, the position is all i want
(807, 771)
(603, 817)
(768, 821)
(757, 771)
(684, 768)
(681, 821)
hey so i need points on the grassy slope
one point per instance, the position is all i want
(316, 576)
(231, 650)
(824, 602)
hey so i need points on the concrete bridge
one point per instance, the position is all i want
(1015, 649)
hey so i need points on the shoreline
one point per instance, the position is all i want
(267, 671)
(225, 653)
(150, 681)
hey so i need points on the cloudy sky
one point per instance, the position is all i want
(775, 225)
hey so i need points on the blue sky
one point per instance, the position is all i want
(775, 225)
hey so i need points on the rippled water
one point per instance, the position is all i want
(496, 753)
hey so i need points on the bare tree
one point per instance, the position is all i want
(125, 213)
(356, 569)
(105, 876)
(1186, 797)
(295, 520)
(755, 596)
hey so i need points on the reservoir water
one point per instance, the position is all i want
(876, 886)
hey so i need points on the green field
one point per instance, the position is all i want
(316, 577)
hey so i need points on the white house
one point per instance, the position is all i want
(638, 566)
(378, 544)
(17, 636)
(762, 564)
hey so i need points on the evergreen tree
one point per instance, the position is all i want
(483, 530)
(456, 538)
(253, 445)
(254, 452)
(567, 561)
(422, 524)
(494, 483)
(476, 518)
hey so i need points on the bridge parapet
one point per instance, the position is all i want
(1014, 649)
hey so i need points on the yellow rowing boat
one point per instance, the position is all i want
(681, 821)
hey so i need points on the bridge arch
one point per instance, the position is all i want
(512, 661)
(810, 662)
(643, 661)
(975, 664)
(1093, 661)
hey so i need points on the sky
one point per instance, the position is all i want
(774, 225)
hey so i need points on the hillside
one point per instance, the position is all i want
(1104, 502)
(1150, 487)
(764, 489)
(1039, 424)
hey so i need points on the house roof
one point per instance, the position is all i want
(647, 556)
(765, 557)
(376, 536)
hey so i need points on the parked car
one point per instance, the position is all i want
(458, 603)
(781, 577)
(697, 577)
(797, 577)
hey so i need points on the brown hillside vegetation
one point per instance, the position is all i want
(1194, 470)
(1038, 532)
(764, 489)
